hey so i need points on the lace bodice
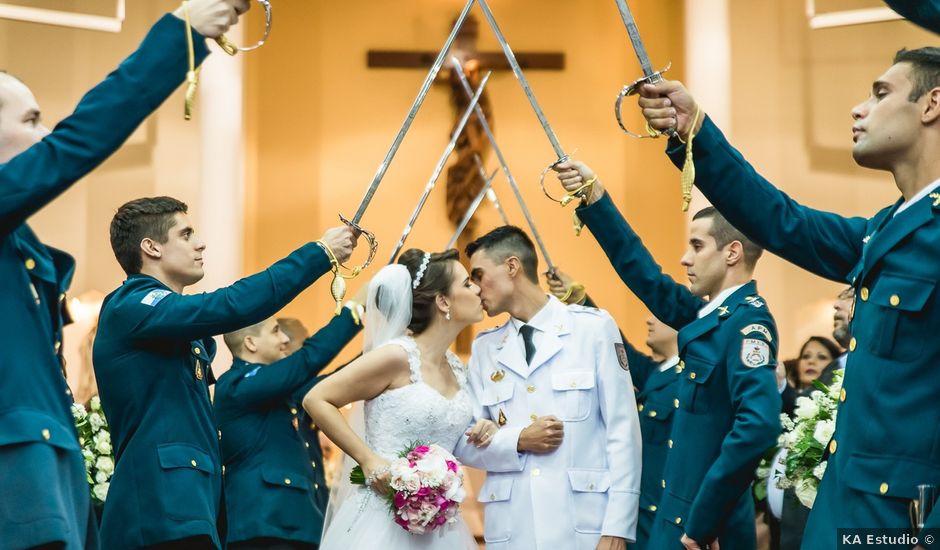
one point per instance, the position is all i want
(417, 412)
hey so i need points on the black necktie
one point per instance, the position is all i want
(526, 331)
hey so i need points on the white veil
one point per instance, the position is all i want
(388, 314)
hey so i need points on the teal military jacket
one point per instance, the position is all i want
(152, 360)
(45, 495)
(270, 484)
(656, 392)
(887, 437)
(727, 412)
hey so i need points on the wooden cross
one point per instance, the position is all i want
(465, 48)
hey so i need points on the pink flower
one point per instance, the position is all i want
(422, 449)
(451, 465)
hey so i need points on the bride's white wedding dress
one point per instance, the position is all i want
(394, 420)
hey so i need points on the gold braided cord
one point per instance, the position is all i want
(192, 75)
(688, 167)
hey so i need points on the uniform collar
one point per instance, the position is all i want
(669, 363)
(918, 197)
(719, 300)
(542, 320)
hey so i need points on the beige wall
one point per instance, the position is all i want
(319, 122)
(792, 90)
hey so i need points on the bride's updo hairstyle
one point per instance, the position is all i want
(435, 278)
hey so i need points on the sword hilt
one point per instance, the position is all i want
(230, 48)
(338, 286)
(568, 197)
(633, 88)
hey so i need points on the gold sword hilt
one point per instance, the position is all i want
(632, 89)
(338, 285)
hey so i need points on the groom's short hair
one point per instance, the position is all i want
(506, 241)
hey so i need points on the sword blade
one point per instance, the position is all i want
(517, 70)
(409, 118)
(471, 210)
(490, 194)
(474, 99)
(638, 48)
(505, 167)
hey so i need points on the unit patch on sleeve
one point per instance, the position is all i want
(622, 356)
(154, 296)
(755, 353)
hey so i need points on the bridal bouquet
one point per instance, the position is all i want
(95, 440)
(805, 438)
(426, 488)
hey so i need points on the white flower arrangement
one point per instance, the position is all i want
(95, 440)
(804, 441)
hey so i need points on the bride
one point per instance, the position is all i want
(414, 390)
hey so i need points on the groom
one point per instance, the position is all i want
(563, 471)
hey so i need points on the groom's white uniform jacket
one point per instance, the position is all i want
(590, 485)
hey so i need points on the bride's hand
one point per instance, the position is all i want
(376, 472)
(481, 434)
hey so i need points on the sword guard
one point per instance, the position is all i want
(373, 248)
(230, 48)
(567, 198)
(631, 89)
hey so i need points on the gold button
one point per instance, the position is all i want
(852, 344)
(864, 293)
(573, 384)
(692, 376)
(640, 407)
(652, 507)
(58, 344)
(664, 484)
(45, 434)
(223, 469)
(316, 486)
(676, 403)
(68, 391)
(196, 351)
(293, 410)
(670, 443)
(883, 489)
(314, 464)
(530, 388)
(286, 481)
(682, 364)
(193, 462)
(833, 446)
(591, 487)
(533, 417)
(842, 395)
(536, 472)
(30, 264)
(307, 444)
(62, 297)
(895, 299)
(678, 521)
(652, 414)
(220, 435)
(492, 496)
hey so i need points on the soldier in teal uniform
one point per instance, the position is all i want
(270, 485)
(656, 382)
(727, 413)
(876, 461)
(45, 498)
(152, 358)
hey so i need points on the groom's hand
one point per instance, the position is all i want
(542, 436)
(611, 543)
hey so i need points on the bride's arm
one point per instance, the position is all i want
(363, 379)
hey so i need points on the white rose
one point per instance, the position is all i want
(806, 491)
(105, 464)
(103, 442)
(823, 432)
(78, 411)
(806, 408)
(434, 469)
(96, 421)
(101, 477)
(95, 403)
(819, 470)
(100, 491)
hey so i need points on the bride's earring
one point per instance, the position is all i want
(447, 315)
